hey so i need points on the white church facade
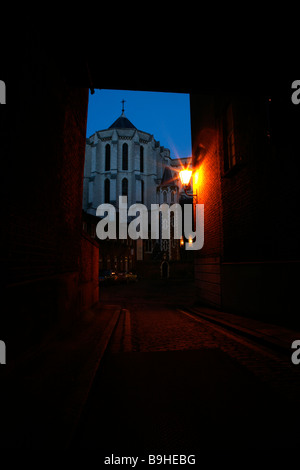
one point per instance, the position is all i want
(124, 161)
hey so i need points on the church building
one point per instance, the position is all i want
(125, 161)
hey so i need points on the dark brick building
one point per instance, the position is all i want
(50, 265)
(246, 151)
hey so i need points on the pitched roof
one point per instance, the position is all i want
(167, 178)
(122, 123)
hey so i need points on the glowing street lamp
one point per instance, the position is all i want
(185, 178)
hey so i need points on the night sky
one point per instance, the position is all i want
(165, 115)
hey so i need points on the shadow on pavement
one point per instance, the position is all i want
(181, 401)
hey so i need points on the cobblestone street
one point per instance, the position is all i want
(173, 381)
(157, 330)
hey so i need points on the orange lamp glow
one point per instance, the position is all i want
(185, 176)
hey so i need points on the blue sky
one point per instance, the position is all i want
(165, 115)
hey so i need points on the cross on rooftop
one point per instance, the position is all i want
(123, 101)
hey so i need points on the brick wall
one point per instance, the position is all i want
(207, 185)
(246, 188)
(259, 201)
(89, 272)
(260, 195)
(42, 145)
(249, 261)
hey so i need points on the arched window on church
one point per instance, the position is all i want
(165, 197)
(125, 157)
(107, 157)
(124, 187)
(173, 196)
(142, 190)
(106, 190)
(141, 159)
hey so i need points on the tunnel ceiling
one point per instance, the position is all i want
(90, 63)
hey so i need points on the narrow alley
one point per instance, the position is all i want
(146, 371)
(197, 354)
(171, 381)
